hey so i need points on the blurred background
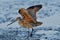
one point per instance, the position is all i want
(49, 15)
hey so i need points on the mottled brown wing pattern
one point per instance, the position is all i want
(29, 14)
(26, 16)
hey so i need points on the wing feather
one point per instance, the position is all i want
(32, 11)
(29, 14)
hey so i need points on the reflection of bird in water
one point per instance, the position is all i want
(28, 19)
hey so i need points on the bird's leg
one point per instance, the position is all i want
(28, 34)
(31, 33)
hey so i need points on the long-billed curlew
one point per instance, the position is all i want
(28, 19)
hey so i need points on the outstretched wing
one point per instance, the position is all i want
(29, 14)
(33, 9)
(26, 16)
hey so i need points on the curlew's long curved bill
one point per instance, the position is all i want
(11, 22)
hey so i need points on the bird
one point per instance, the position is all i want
(28, 19)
